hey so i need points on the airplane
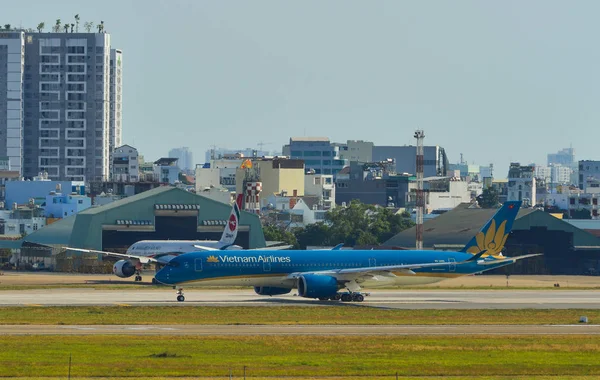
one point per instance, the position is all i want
(160, 252)
(322, 274)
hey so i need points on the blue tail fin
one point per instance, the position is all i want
(493, 235)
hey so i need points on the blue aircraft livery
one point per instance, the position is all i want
(323, 274)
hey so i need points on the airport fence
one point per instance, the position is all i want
(56, 259)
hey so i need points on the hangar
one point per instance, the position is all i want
(163, 213)
(567, 250)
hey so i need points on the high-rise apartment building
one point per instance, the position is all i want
(12, 63)
(185, 158)
(70, 91)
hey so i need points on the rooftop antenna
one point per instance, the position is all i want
(420, 203)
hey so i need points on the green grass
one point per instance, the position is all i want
(282, 315)
(136, 356)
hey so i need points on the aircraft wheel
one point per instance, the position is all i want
(346, 297)
(358, 297)
(323, 298)
(337, 297)
(180, 298)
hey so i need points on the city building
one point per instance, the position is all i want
(125, 164)
(405, 157)
(357, 150)
(20, 221)
(59, 205)
(166, 170)
(322, 187)
(185, 158)
(222, 153)
(59, 118)
(441, 193)
(589, 175)
(258, 178)
(218, 173)
(12, 63)
(374, 183)
(318, 154)
(522, 184)
(22, 192)
(565, 157)
(115, 127)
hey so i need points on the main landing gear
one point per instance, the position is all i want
(346, 297)
(180, 296)
(138, 276)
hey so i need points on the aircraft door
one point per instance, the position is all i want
(198, 265)
(372, 262)
(266, 266)
(452, 266)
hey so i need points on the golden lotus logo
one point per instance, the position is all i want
(212, 259)
(492, 241)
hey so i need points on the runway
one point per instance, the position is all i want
(238, 330)
(394, 299)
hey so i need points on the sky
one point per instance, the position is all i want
(499, 82)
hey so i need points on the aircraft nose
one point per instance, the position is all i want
(163, 275)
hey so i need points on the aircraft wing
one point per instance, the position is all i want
(356, 274)
(277, 248)
(507, 259)
(142, 259)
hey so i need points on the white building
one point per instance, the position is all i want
(521, 184)
(125, 164)
(454, 193)
(218, 173)
(21, 221)
(116, 100)
(589, 175)
(322, 187)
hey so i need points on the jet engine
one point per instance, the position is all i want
(317, 286)
(124, 268)
(270, 290)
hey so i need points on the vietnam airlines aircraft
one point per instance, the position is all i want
(322, 274)
(161, 252)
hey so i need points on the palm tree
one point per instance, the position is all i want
(72, 26)
(7, 26)
(57, 26)
(66, 28)
(77, 23)
(88, 25)
(40, 27)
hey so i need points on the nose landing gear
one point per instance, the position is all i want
(180, 296)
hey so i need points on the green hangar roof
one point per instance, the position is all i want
(85, 229)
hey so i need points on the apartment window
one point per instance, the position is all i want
(76, 68)
(76, 50)
(75, 59)
(49, 58)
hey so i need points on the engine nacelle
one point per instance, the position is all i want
(124, 268)
(270, 290)
(316, 286)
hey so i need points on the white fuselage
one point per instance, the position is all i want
(153, 248)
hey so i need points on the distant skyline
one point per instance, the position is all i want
(496, 81)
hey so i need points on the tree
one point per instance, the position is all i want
(57, 26)
(41, 27)
(77, 22)
(6, 26)
(362, 224)
(72, 27)
(317, 234)
(274, 233)
(88, 25)
(66, 28)
(488, 198)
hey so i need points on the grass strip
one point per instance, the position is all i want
(282, 315)
(173, 356)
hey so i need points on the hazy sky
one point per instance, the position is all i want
(497, 81)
